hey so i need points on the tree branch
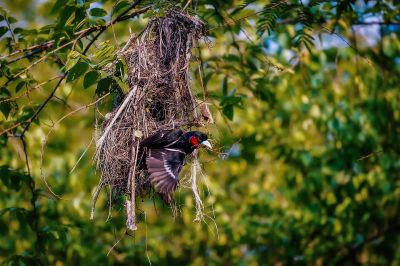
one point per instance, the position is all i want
(83, 33)
(351, 251)
(35, 49)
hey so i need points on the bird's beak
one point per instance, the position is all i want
(207, 144)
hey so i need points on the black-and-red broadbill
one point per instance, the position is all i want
(165, 154)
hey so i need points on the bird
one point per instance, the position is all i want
(163, 154)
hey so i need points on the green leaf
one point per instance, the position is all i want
(5, 108)
(12, 20)
(90, 78)
(65, 15)
(228, 111)
(73, 58)
(123, 85)
(20, 85)
(3, 140)
(98, 12)
(3, 30)
(27, 113)
(13, 179)
(4, 93)
(96, 21)
(77, 71)
(19, 30)
(207, 77)
(58, 6)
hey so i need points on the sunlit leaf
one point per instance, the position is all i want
(3, 30)
(97, 12)
(120, 7)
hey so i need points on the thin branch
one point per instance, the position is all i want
(369, 155)
(187, 5)
(35, 218)
(40, 60)
(44, 47)
(29, 90)
(147, 252)
(26, 156)
(34, 116)
(93, 40)
(116, 243)
(64, 102)
(77, 110)
(83, 154)
(79, 35)
(52, 129)
(383, 23)
(121, 17)
(99, 142)
(40, 47)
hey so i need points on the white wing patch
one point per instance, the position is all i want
(163, 167)
(172, 143)
(168, 149)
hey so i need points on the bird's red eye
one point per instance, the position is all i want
(194, 141)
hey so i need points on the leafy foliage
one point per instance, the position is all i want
(305, 96)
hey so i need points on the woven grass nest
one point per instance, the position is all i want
(159, 97)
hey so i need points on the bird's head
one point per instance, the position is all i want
(197, 139)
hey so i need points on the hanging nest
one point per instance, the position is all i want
(159, 98)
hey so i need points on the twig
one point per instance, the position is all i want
(44, 143)
(82, 35)
(26, 156)
(80, 109)
(95, 196)
(41, 59)
(130, 205)
(11, 31)
(35, 218)
(45, 47)
(116, 243)
(187, 4)
(369, 155)
(102, 29)
(147, 252)
(83, 153)
(33, 117)
(41, 46)
(30, 89)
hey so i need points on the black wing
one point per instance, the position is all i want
(164, 166)
(162, 138)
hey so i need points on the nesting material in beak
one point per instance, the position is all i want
(207, 144)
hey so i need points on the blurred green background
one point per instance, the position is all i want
(306, 101)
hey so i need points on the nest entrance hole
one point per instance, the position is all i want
(160, 97)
